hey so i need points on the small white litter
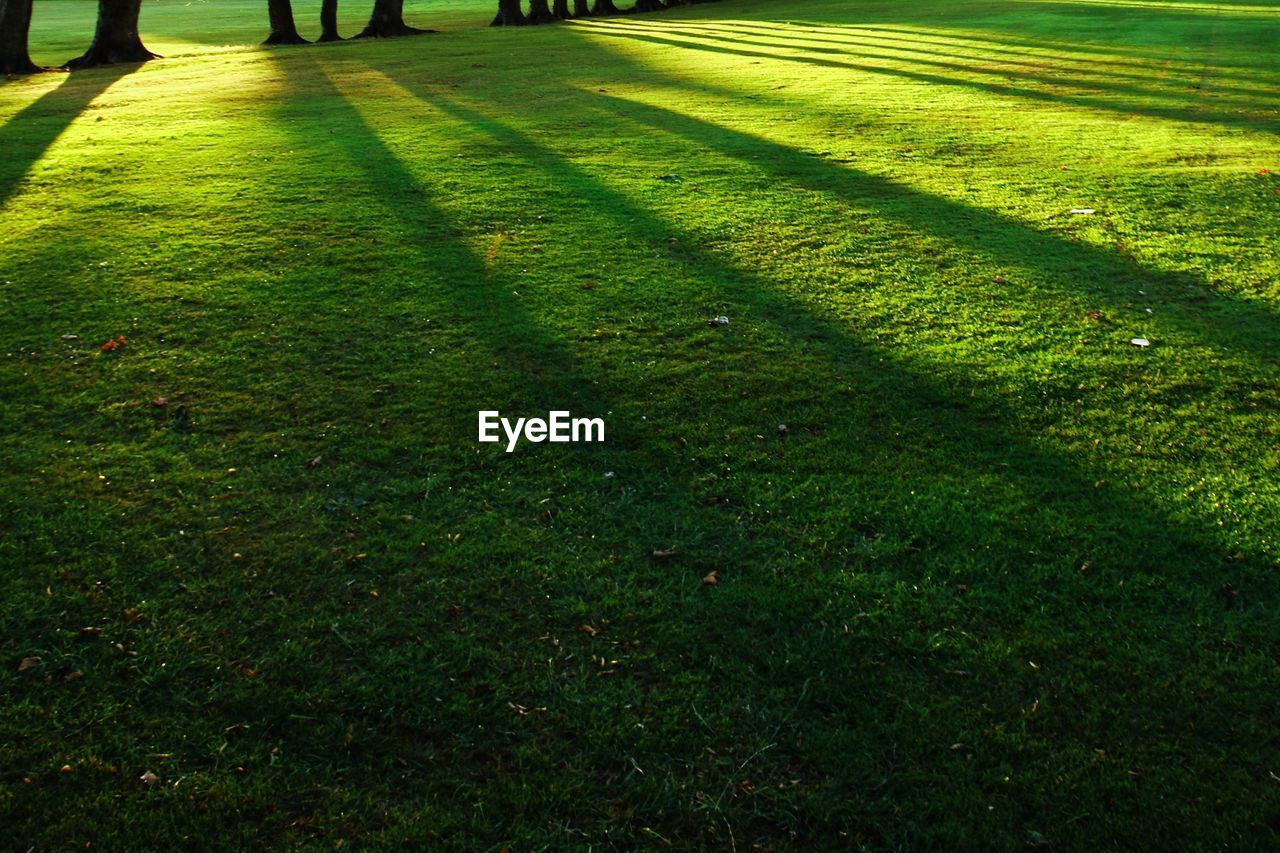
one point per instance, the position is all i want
(722, 320)
(1083, 211)
(1140, 343)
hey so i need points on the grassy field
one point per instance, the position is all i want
(1004, 581)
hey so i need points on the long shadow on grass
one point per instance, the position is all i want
(764, 650)
(25, 137)
(992, 34)
(1056, 266)
(1065, 67)
(937, 437)
(622, 30)
(1109, 58)
(1035, 250)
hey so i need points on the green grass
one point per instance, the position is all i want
(1007, 580)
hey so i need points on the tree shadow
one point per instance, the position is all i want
(943, 431)
(1149, 79)
(1181, 114)
(1055, 266)
(999, 33)
(976, 229)
(27, 135)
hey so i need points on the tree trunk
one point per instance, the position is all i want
(387, 21)
(283, 29)
(329, 21)
(116, 39)
(509, 14)
(648, 6)
(15, 23)
(605, 7)
(560, 10)
(539, 12)
(581, 9)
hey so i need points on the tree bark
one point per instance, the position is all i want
(329, 21)
(560, 10)
(605, 7)
(116, 38)
(15, 23)
(387, 21)
(509, 14)
(581, 9)
(539, 12)
(283, 29)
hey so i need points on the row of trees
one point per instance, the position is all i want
(511, 15)
(116, 37)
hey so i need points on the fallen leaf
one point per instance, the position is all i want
(28, 663)
(149, 778)
(90, 633)
(159, 402)
(711, 579)
(664, 555)
(590, 630)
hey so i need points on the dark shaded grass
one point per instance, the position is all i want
(811, 698)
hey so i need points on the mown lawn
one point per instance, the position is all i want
(1005, 580)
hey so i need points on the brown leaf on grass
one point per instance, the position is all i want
(313, 462)
(589, 285)
(149, 778)
(660, 554)
(711, 579)
(590, 630)
(90, 633)
(28, 663)
(1000, 279)
(159, 402)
